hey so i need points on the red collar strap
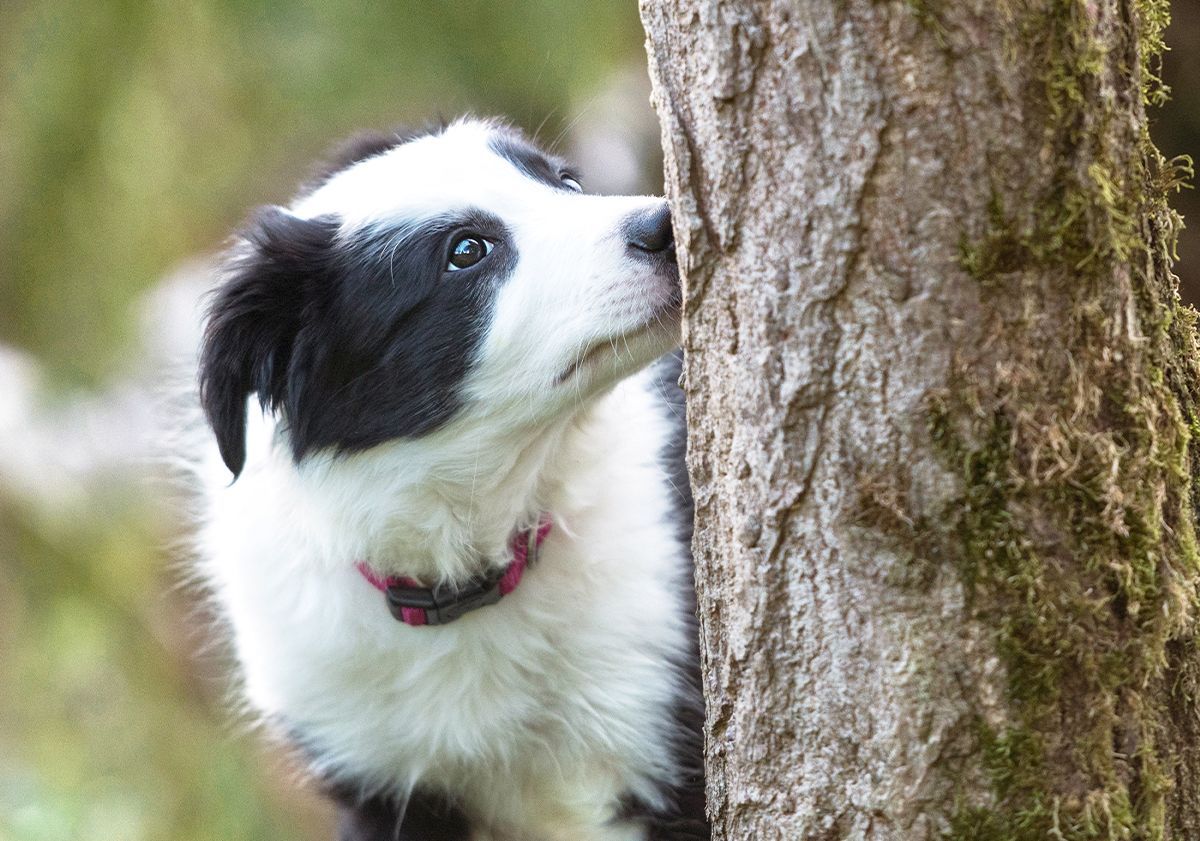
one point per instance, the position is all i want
(413, 604)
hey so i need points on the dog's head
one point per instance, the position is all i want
(460, 273)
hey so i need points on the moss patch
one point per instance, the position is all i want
(1075, 445)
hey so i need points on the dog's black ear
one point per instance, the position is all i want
(276, 270)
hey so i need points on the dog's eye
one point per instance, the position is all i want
(571, 183)
(467, 252)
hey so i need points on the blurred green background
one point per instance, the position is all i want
(133, 137)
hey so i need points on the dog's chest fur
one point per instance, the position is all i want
(538, 715)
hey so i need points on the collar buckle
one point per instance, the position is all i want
(442, 605)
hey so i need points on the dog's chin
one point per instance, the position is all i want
(611, 359)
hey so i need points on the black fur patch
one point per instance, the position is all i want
(685, 818)
(424, 817)
(667, 372)
(356, 340)
(532, 162)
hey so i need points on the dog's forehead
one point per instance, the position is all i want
(471, 163)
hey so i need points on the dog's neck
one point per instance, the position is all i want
(439, 508)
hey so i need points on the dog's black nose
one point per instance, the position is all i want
(650, 231)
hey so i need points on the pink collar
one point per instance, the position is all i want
(415, 605)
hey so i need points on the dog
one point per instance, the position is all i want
(453, 556)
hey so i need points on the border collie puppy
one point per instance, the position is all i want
(450, 556)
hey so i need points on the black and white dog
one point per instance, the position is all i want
(451, 557)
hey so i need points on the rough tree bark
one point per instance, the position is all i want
(943, 417)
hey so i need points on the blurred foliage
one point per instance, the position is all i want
(134, 134)
(104, 735)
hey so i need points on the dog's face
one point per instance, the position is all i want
(457, 274)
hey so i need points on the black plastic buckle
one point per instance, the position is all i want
(443, 605)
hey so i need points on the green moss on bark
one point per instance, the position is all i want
(1074, 441)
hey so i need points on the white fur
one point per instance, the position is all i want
(537, 713)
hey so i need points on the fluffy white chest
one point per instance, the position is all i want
(537, 713)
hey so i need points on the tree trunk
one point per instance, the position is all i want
(942, 400)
